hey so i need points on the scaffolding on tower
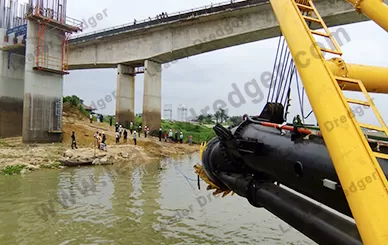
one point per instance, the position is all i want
(52, 16)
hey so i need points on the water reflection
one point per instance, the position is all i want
(155, 203)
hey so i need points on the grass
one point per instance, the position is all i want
(200, 133)
(5, 144)
(11, 170)
(54, 165)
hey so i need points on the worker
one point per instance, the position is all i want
(91, 118)
(125, 135)
(170, 135)
(101, 118)
(73, 142)
(117, 137)
(190, 140)
(176, 136)
(120, 130)
(181, 137)
(96, 137)
(117, 127)
(131, 127)
(160, 134)
(110, 120)
(99, 139)
(134, 137)
(165, 136)
(145, 131)
(139, 130)
(103, 138)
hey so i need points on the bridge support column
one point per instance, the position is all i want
(152, 99)
(42, 112)
(11, 90)
(125, 95)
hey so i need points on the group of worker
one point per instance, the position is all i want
(120, 131)
(100, 138)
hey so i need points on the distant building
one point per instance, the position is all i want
(90, 109)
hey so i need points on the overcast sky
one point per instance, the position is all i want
(200, 80)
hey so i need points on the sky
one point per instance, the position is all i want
(198, 81)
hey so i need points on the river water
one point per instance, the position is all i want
(153, 203)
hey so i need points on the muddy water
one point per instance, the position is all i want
(157, 203)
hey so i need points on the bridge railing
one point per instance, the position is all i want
(155, 18)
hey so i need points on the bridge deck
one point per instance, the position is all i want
(220, 7)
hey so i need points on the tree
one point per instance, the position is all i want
(73, 100)
(235, 120)
(223, 115)
(217, 116)
(201, 118)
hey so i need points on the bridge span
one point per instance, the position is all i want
(31, 92)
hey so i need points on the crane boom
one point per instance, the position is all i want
(374, 78)
(375, 10)
(351, 155)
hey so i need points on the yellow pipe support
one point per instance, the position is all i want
(374, 78)
(352, 157)
(375, 10)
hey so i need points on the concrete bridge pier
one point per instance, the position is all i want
(125, 95)
(42, 112)
(152, 99)
(11, 89)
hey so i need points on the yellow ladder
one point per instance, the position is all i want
(307, 9)
(383, 128)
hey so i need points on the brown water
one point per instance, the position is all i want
(141, 205)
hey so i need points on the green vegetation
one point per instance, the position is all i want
(235, 120)
(4, 144)
(11, 170)
(221, 117)
(76, 102)
(200, 133)
(54, 165)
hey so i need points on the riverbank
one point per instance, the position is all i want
(16, 157)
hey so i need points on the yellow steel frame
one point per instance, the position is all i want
(375, 10)
(374, 78)
(348, 148)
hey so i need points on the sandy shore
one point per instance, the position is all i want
(13, 152)
(35, 156)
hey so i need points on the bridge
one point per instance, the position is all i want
(31, 93)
